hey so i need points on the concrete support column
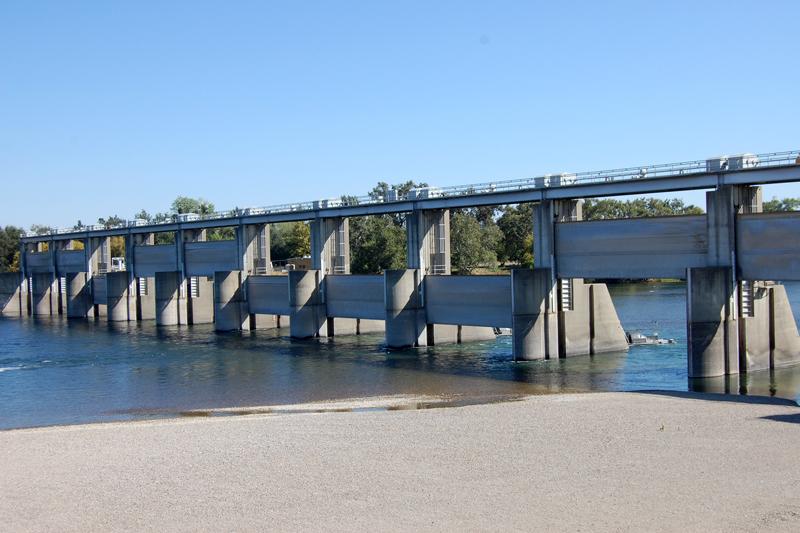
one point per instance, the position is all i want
(80, 303)
(254, 240)
(330, 245)
(428, 241)
(534, 325)
(405, 312)
(11, 294)
(230, 307)
(41, 293)
(169, 298)
(713, 294)
(143, 287)
(181, 300)
(119, 303)
(308, 318)
(712, 325)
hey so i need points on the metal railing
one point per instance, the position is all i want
(700, 166)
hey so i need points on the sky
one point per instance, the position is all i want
(111, 107)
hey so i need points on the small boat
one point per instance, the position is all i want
(636, 338)
(502, 331)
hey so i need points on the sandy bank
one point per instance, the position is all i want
(575, 462)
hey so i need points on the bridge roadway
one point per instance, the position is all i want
(737, 319)
(778, 167)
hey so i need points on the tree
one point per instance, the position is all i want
(38, 229)
(290, 239)
(516, 225)
(221, 234)
(609, 208)
(787, 204)
(9, 248)
(377, 244)
(117, 245)
(143, 215)
(111, 222)
(472, 244)
(184, 204)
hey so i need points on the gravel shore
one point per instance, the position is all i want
(582, 462)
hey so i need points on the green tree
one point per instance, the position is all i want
(609, 208)
(221, 234)
(377, 243)
(516, 225)
(9, 248)
(143, 215)
(290, 239)
(38, 229)
(472, 244)
(111, 222)
(185, 204)
(787, 204)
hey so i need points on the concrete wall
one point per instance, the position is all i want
(80, 303)
(308, 317)
(405, 316)
(230, 308)
(146, 303)
(38, 262)
(120, 305)
(152, 259)
(41, 294)
(768, 246)
(71, 261)
(203, 258)
(168, 295)
(607, 334)
(635, 248)
(769, 338)
(268, 295)
(712, 329)
(201, 308)
(99, 290)
(11, 294)
(354, 296)
(468, 300)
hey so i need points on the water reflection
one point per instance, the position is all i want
(54, 372)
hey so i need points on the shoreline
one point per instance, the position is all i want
(599, 461)
(397, 402)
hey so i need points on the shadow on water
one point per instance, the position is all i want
(54, 372)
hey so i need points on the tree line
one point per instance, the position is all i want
(480, 238)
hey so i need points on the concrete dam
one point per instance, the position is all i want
(738, 319)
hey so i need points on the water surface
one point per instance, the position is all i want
(54, 371)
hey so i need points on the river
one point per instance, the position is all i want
(54, 371)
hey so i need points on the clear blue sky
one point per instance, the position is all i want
(109, 107)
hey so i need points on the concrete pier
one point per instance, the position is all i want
(121, 305)
(41, 294)
(544, 328)
(80, 303)
(330, 245)
(712, 333)
(230, 307)
(145, 298)
(308, 315)
(428, 241)
(11, 294)
(534, 326)
(200, 300)
(169, 296)
(405, 316)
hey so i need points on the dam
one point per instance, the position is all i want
(738, 319)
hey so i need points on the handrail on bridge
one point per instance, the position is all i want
(714, 165)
